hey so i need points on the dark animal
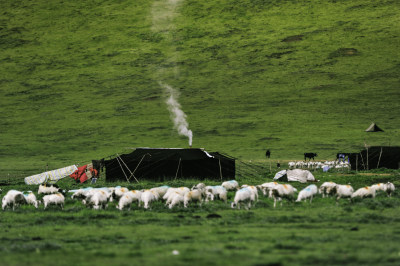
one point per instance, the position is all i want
(268, 154)
(309, 155)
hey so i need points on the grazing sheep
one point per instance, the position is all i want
(147, 197)
(175, 198)
(243, 196)
(213, 192)
(118, 193)
(230, 185)
(160, 190)
(307, 193)
(283, 191)
(390, 188)
(253, 189)
(343, 191)
(364, 192)
(193, 195)
(327, 189)
(266, 188)
(97, 199)
(43, 189)
(200, 186)
(31, 199)
(13, 199)
(54, 199)
(171, 191)
(127, 199)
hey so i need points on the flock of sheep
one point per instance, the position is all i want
(319, 165)
(246, 195)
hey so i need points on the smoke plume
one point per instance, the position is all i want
(177, 115)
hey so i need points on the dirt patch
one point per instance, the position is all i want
(341, 52)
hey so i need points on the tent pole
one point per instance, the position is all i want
(220, 169)
(379, 158)
(123, 170)
(362, 160)
(357, 163)
(132, 174)
(128, 169)
(367, 160)
(179, 164)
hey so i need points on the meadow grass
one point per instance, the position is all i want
(362, 232)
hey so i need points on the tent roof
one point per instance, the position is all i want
(373, 128)
(172, 154)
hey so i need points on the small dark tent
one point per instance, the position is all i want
(166, 164)
(376, 157)
(373, 128)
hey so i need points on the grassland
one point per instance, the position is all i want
(80, 79)
(364, 232)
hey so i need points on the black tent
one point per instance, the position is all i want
(376, 157)
(374, 128)
(166, 164)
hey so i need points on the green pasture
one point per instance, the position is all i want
(362, 232)
(80, 80)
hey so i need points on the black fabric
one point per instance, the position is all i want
(166, 164)
(389, 158)
(374, 128)
(98, 165)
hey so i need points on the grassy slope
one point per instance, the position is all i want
(80, 78)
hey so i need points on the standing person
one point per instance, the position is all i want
(268, 154)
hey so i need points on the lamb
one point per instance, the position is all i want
(389, 188)
(243, 196)
(147, 197)
(127, 199)
(327, 188)
(364, 192)
(31, 199)
(231, 185)
(193, 195)
(13, 199)
(343, 191)
(96, 199)
(213, 192)
(43, 189)
(307, 193)
(54, 199)
(283, 191)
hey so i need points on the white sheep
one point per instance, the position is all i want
(170, 193)
(307, 193)
(327, 188)
(267, 187)
(174, 199)
(343, 191)
(97, 199)
(200, 186)
(147, 197)
(390, 188)
(283, 191)
(243, 196)
(193, 195)
(364, 192)
(31, 199)
(253, 189)
(230, 185)
(43, 189)
(213, 192)
(13, 199)
(127, 199)
(54, 199)
(160, 190)
(118, 192)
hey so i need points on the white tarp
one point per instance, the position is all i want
(298, 175)
(50, 177)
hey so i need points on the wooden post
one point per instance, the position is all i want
(367, 160)
(357, 163)
(220, 169)
(179, 164)
(377, 166)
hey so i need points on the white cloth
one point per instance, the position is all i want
(298, 175)
(50, 177)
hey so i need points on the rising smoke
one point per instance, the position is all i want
(177, 115)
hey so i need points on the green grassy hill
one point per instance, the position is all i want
(80, 80)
